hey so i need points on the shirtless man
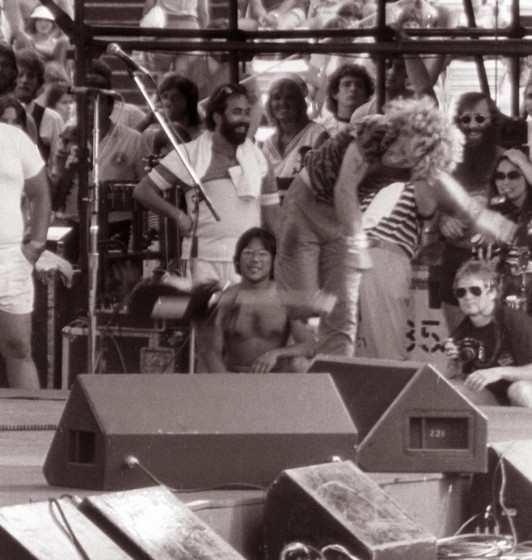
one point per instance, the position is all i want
(251, 327)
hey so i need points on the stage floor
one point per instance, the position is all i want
(27, 425)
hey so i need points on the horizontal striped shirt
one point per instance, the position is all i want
(403, 225)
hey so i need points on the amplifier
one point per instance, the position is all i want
(125, 350)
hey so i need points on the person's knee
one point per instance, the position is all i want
(18, 348)
(520, 394)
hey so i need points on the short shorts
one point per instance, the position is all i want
(16, 281)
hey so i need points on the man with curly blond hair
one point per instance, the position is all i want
(329, 228)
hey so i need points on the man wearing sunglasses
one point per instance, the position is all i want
(477, 118)
(504, 366)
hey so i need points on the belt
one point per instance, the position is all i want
(387, 245)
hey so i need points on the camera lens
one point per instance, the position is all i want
(467, 354)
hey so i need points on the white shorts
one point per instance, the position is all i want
(16, 281)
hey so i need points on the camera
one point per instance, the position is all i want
(470, 351)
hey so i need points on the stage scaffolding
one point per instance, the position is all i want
(90, 41)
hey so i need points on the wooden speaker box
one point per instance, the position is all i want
(198, 430)
(409, 418)
(338, 506)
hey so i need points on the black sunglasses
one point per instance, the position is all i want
(466, 119)
(459, 293)
(512, 175)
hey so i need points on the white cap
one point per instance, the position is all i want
(42, 12)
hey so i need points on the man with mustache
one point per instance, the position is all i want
(234, 174)
(477, 118)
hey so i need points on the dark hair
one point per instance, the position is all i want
(354, 70)
(350, 10)
(70, 135)
(217, 102)
(295, 88)
(30, 24)
(29, 59)
(9, 53)
(161, 143)
(54, 93)
(9, 100)
(101, 68)
(492, 189)
(471, 98)
(99, 81)
(188, 89)
(267, 239)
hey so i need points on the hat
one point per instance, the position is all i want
(42, 12)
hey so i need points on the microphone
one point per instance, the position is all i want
(91, 91)
(115, 49)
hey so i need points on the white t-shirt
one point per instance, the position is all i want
(19, 160)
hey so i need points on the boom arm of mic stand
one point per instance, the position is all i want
(202, 195)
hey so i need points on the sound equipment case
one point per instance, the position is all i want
(124, 350)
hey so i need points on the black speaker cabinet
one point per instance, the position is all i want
(509, 474)
(38, 532)
(409, 418)
(196, 430)
(337, 505)
(153, 523)
(510, 470)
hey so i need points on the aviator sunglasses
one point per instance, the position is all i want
(512, 175)
(473, 290)
(466, 119)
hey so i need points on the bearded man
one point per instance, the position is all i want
(235, 176)
(477, 117)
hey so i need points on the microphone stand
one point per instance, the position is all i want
(93, 260)
(198, 196)
(170, 134)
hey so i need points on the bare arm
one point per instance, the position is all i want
(16, 24)
(450, 194)
(482, 377)
(346, 203)
(270, 202)
(149, 195)
(37, 192)
(304, 346)
(418, 75)
(203, 13)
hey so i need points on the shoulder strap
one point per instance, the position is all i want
(37, 113)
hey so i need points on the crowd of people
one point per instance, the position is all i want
(332, 202)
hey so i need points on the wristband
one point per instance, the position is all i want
(39, 246)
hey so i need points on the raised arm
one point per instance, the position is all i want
(449, 194)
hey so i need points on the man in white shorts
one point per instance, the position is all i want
(22, 173)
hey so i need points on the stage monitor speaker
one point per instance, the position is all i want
(511, 466)
(509, 473)
(337, 505)
(153, 523)
(45, 530)
(200, 430)
(409, 418)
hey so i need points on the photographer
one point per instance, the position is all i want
(493, 344)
